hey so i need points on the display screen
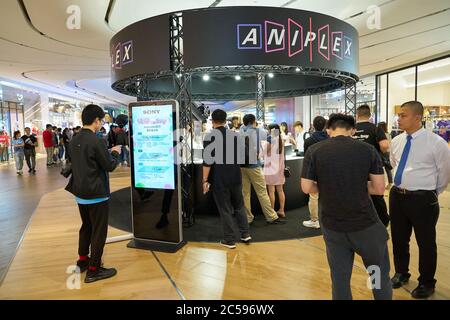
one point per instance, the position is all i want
(153, 145)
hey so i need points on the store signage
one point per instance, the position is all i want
(153, 152)
(140, 48)
(122, 55)
(294, 38)
(264, 36)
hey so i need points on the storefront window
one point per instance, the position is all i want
(328, 103)
(365, 94)
(433, 90)
(401, 88)
(382, 98)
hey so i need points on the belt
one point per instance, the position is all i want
(407, 192)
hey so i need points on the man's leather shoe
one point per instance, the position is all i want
(422, 292)
(99, 274)
(399, 279)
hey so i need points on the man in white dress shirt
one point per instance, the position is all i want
(421, 161)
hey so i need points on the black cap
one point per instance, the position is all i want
(219, 115)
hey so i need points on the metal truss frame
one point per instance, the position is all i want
(350, 100)
(142, 85)
(181, 81)
(260, 91)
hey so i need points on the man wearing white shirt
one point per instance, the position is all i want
(421, 162)
(299, 141)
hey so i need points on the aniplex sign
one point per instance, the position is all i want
(122, 55)
(295, 38)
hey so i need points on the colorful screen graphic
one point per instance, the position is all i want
(153, 147)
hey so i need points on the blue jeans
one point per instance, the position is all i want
(18, 158)
(371, 245)
(124, 155)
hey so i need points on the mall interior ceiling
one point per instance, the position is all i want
(40, 49)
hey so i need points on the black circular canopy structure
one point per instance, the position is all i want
(231, 53)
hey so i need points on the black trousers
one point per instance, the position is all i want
(93, 231)
(419, 212)
(30, 157)
(371, 245)
(381, 209)
(230, 204)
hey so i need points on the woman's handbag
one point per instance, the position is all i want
(287, 170)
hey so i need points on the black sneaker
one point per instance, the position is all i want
(399, 279)
(83, 265)
(246, 238)
(277, 221)
(228, 244)
(422, 292)
(29, 171)
(99, 274)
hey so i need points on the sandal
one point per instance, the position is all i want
(281, 214)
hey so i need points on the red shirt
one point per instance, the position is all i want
(48, 138)
(4, 140)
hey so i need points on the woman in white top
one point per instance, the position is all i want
(285, 135)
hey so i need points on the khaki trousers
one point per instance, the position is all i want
(314, 206)
(255, 177)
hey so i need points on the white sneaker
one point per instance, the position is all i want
(311, 224)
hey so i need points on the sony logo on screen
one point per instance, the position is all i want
(295, 38)
(122, 55)
(151, 111)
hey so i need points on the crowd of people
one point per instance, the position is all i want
(344, 168)
(345, 163)
(56, 143)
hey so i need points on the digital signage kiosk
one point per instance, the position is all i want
(155, 176)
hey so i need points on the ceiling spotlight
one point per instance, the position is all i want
(205, 77)
(271, 75)
(237, 77)
(178, 75)
(297, 69)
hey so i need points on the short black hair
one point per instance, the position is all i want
(90, 113)
(219, 115)
(364, 111)
(415, 106)
(27, 128)
(319, 123)
(249, 119)
(48, 126)
(340, 120)
(16, 133)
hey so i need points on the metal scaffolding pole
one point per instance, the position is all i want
(260, 91)
(350, 100)
(182, 82)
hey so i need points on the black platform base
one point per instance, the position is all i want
(155, 245)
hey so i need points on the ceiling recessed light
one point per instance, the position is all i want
(271, 75)
(297, 69)
(237, 77)
(205, 77)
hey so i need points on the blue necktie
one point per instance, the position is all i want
(402, 164)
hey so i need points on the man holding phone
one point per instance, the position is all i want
(89, 183)
(30, 150)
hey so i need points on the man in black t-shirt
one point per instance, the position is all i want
(223, 174)
(30, 142)
(371, 134)
(345, 171)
